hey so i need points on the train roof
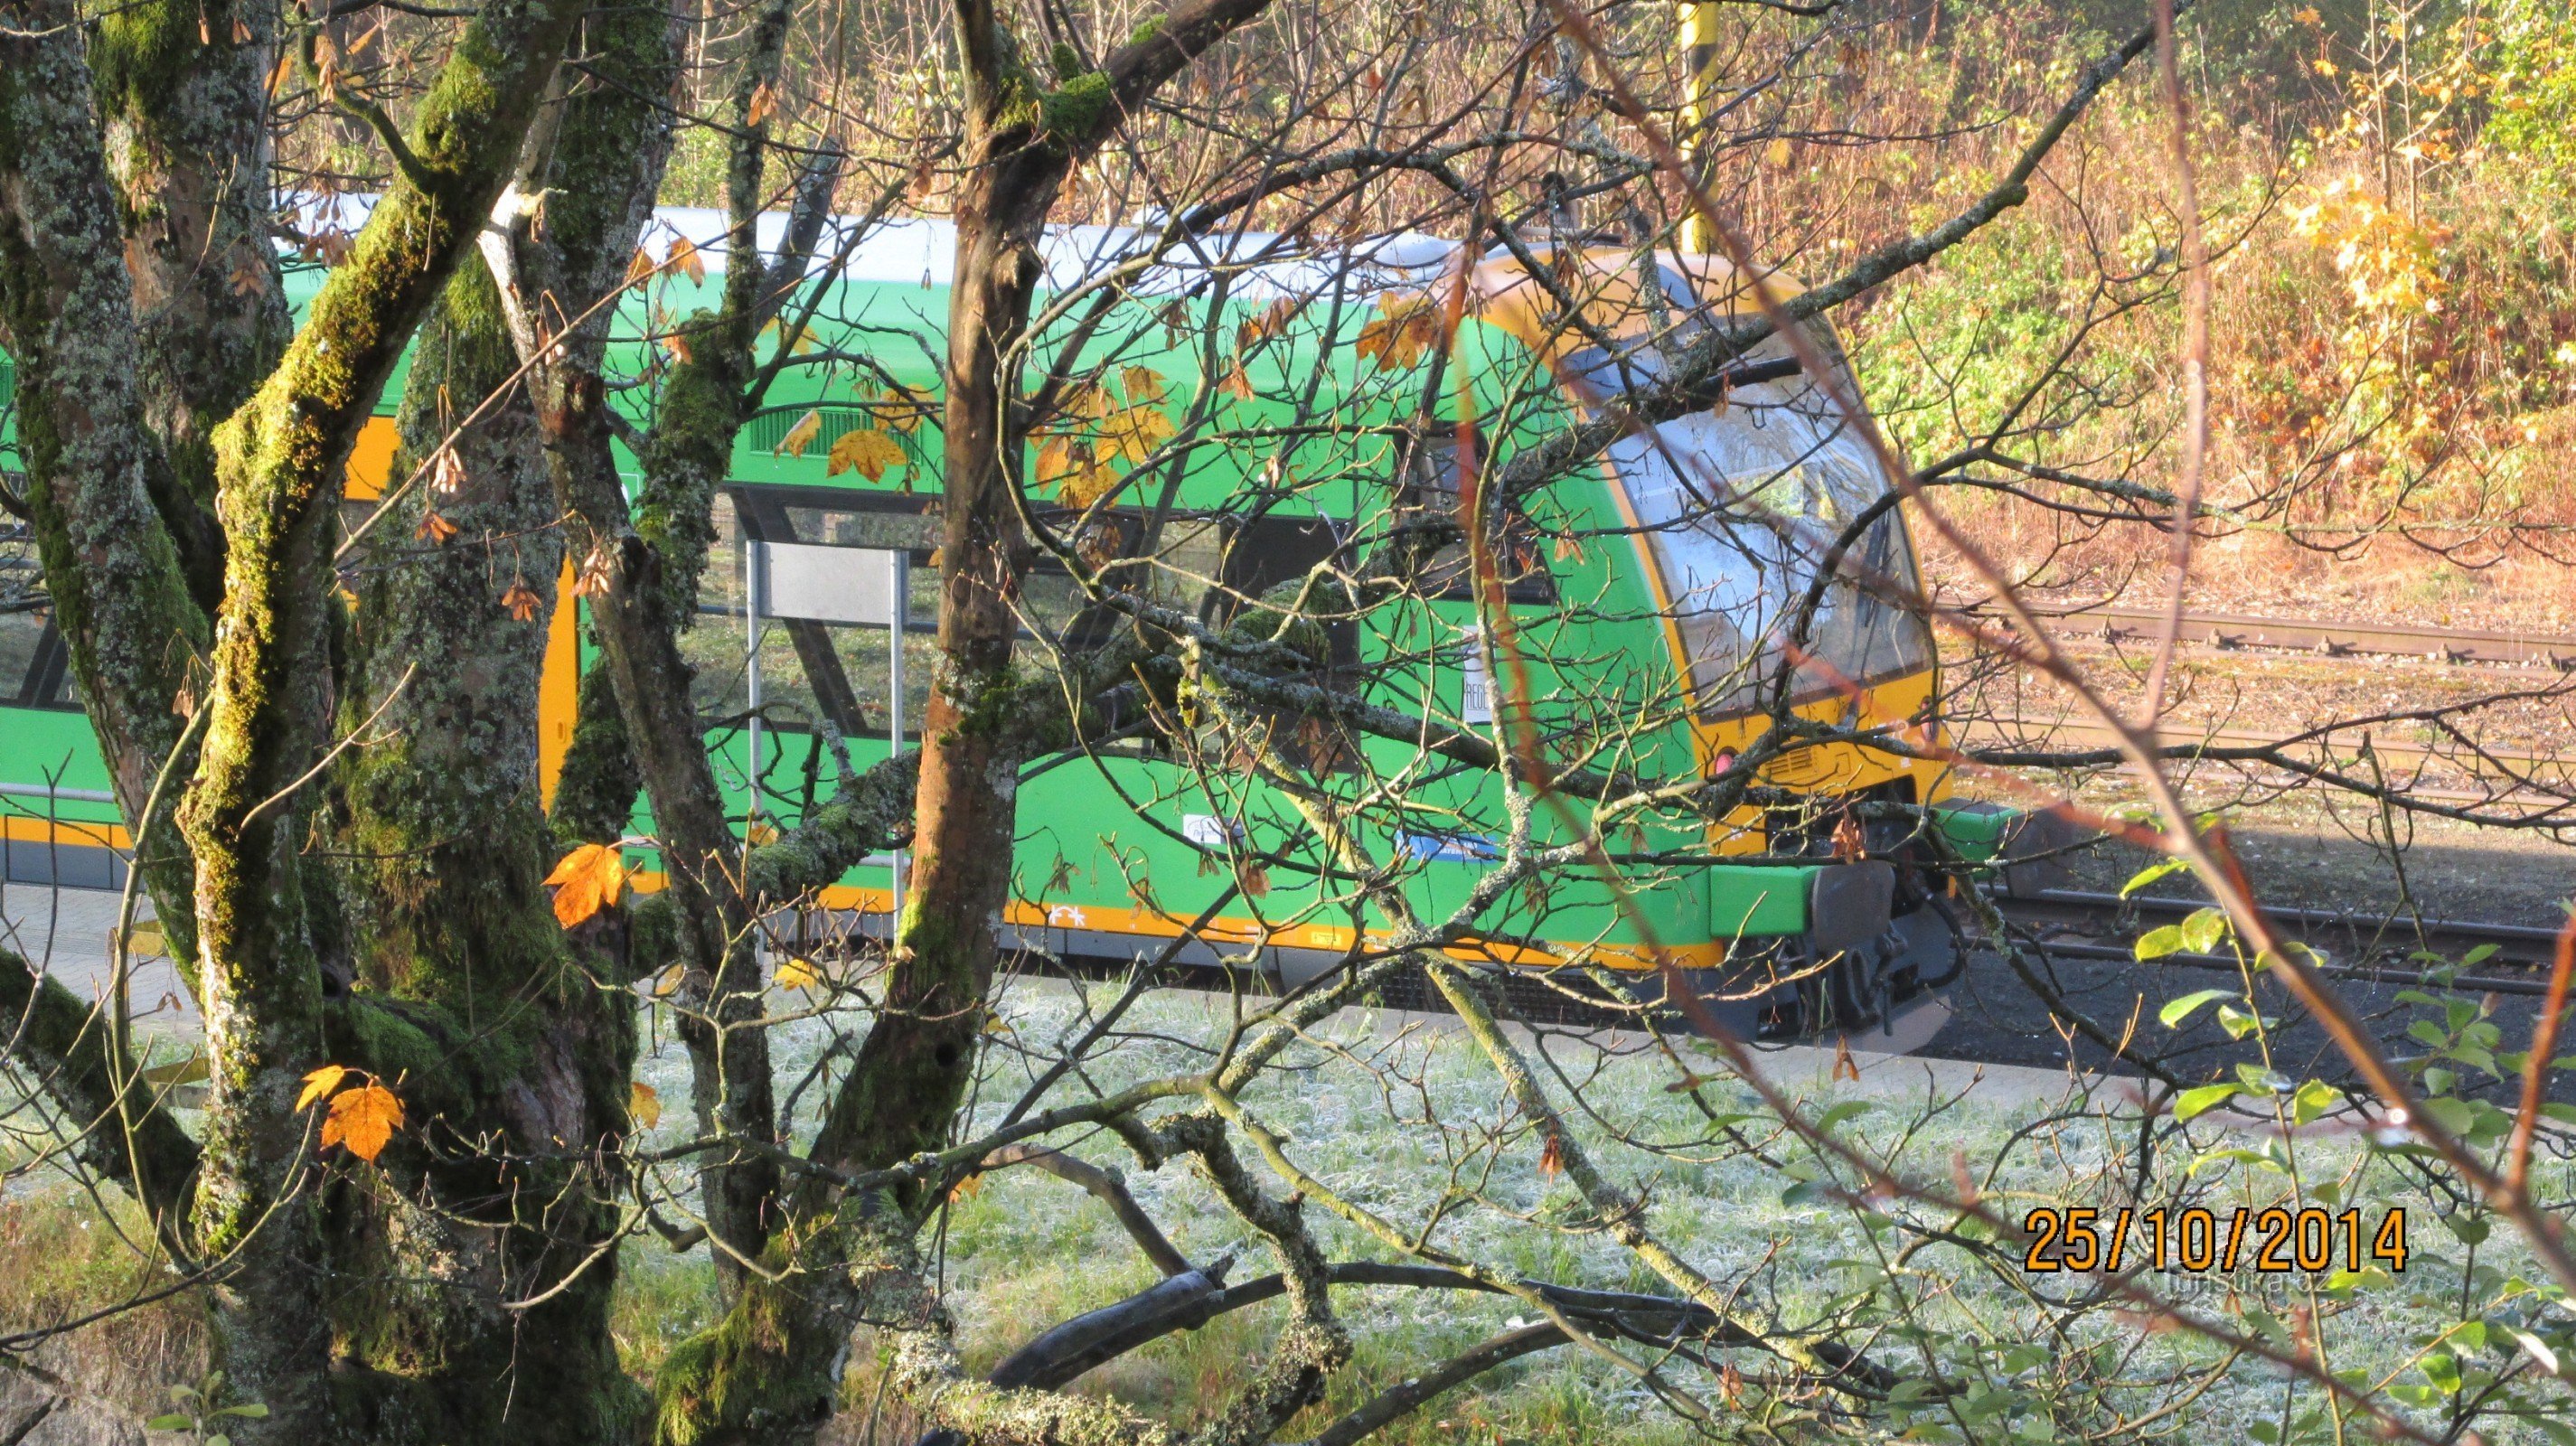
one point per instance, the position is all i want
(1303, 304)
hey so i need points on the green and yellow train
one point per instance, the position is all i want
(1262, 428)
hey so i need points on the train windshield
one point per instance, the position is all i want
(1739, 509)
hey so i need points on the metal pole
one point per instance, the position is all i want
(751, 560)
(899, 570)
(1699, 54)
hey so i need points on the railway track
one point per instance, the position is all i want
(2514, 774)
(2229, 632)
(2492, 774)
(2363, 947)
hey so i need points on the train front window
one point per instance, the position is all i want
(1739, 509)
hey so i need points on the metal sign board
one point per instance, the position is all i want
(823, 584)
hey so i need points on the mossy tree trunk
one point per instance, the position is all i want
(182, 92)
(452, 1290)
(93, 464)
(769, 1371)
(645, 558)
(445, 851)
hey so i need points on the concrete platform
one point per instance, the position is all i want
(65, 932)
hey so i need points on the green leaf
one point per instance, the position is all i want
(2490, 1125)
(1907, 1391)
(2176, 1011)
(2235, 1155)
(2538, 1348)
(2468, 1229)
(2202, 931)
(2238, 1023)
(2443, 1370)
(2366, 1278)
(249, 1411)
(2259, 1080)
(2313, 1101)
(2150, 874)
(1848, 1109)
(2453, 1115)
(2194, 1103)
(2156, 943)
(2313, 957)
(2480, 954)
(172, 1422)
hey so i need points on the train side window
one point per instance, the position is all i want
(30, 670)
(1428, 486)
(22, 637)
(1268, 552)
(1185, 563)
(1272, 549)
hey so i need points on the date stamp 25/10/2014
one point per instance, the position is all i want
(2277, 1240)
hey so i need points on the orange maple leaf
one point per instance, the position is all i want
(362, 1120)
(868, 449)
(800, 436)
(587, 880)
(1271, 321)
(1074, 472)
(1143, 384)
(1135, 432)
(319, 1083)
(903, 410)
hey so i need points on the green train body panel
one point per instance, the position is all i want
(1120, 843)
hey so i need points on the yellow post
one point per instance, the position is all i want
(1699, 52)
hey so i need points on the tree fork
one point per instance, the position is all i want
(279, 463)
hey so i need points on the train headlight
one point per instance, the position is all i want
(1724, 762)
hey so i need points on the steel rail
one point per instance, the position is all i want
(2323, 929)
(2515, 772)
(2113, 623)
